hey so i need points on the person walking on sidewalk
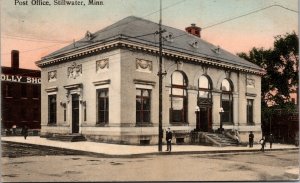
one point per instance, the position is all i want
(251, 137)
(169, 136)
(271, 140)
(25, 132)
(262, 142)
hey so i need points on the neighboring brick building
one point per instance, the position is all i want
(105, 86)
(20, 98)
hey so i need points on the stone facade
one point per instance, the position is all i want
(121, 68)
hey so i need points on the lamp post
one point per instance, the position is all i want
(197, 111)
(221, 123)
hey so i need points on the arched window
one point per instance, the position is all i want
(178, 98)
(204, 88)
(227, 101)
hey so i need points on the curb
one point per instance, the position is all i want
(159, 153)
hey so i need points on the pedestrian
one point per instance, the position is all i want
(297, 139)
(271, 140)
(169, 139)
(14, 129)
(25, 132)
(262, 142)
(251, 137)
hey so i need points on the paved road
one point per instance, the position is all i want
(55, 165)
(16, 150)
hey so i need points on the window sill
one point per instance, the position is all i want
(227, 123)
(251, 124)
(144, 124)
(101, 125)
(179, 124)
(51, 124)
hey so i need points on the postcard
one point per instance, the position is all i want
(140, 90)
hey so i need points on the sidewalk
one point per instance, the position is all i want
(116, 149)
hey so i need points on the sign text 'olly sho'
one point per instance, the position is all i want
(20, 79)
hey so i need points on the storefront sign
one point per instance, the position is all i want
(20, 79)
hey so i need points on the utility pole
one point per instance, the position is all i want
(160, 75)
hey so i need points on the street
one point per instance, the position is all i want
(33, 163)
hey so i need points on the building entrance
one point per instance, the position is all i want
(75, 113)
(204, 115)
(204, 119)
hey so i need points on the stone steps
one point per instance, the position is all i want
(222, 139)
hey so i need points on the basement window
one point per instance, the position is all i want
(144, 142)
(179, 140)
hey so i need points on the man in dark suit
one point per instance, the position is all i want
(169, 139)
(251, 137)
(271, 140)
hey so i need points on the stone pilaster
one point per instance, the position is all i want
(192, 99)
(236, 110)
(215, 110)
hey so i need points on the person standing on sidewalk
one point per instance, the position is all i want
(271, 140)
(25, 132)
(14, 129)
(169, 136)
(251, 137)
(262, 142)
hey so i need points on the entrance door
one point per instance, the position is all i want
(204, 119)
(75, 113)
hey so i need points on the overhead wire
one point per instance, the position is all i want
(64, 42)
(203, 28)
(33, 49)
(240, 16)
(106, 29)
(252, 12)
(209, 26)
(33, 39)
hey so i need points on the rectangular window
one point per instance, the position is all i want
(36, 114)
(250, 111)
(143, 105)
(23, 90)
(35, 91)
(8, 90)
(24, 114)
(84, 113)
(103, 106)
(227, 104)
(65, 114)
(8, 113)
(52, 109)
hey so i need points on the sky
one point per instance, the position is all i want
(37, 31)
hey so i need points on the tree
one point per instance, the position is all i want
(281, 65)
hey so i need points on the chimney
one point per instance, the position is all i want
(193, 29)
(15, 59)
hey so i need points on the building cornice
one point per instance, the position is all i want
(100, 47)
